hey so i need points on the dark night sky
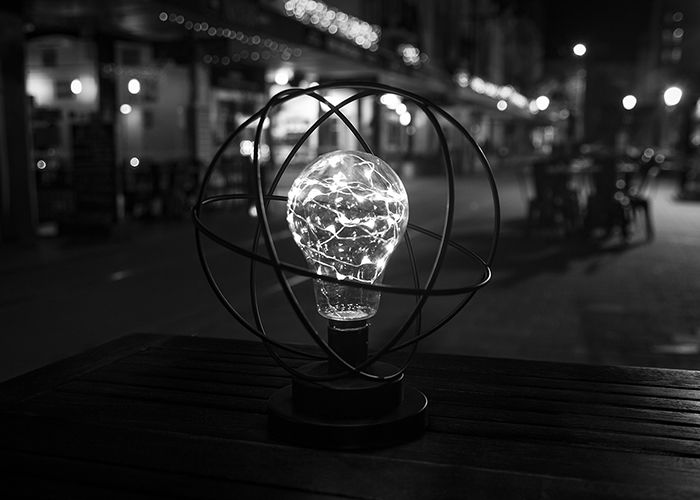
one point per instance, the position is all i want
(612, 29)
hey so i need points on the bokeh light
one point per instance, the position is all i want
(283, 75)
(673, 96)
(76, 86)
(134, 86)
(579, 49)
(629, 102)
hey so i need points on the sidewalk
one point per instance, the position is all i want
(613, 303)
(550, 298)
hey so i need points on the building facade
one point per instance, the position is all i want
(110, 112)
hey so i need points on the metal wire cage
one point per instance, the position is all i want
(263, 197)
(368, 391)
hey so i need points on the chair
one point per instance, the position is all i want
(606, 206)
(619, 194)
(554, 203)
(638, 195)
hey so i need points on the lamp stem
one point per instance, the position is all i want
(349, 340)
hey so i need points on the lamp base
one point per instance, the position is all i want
(405, 422)
(348, 412)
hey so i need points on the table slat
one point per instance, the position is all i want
(185, 417)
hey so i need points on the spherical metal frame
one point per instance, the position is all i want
(262, 200)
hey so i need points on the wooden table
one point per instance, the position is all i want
(184, 417)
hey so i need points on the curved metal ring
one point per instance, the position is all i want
(262, 200)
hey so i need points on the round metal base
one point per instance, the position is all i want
(349, 397)
(405, 422)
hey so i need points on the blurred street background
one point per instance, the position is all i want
(590, 119)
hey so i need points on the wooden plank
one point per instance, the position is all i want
(506, 409)
(458, 365)
(245, 419)
(519, 380)
(167, 396)
(461, 365)
(159, 406)
(533, 425)
(238, 363)
(577, 401)
(41, 477)
(593, 400)
(187, 379)
(330, 473)
(639, 380)
(555, 460)
(479, 447)
(499, 391)
(260, 357)
(614, 380)
(51, 375)
(607, 391)
(608, 431)
(574, 409)
(543, 432)
(571, 421)
(219, 345)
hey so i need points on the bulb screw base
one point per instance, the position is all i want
(349, 339)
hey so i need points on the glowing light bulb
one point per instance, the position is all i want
(347, 212)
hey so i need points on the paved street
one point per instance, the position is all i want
(550, 298)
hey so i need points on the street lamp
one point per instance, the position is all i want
(579, 50)
(669, 129)
(542, 102)
(76, 86)
(134, 86)
(629, 102)
(672, 96)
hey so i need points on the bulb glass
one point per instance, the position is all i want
(347, 212)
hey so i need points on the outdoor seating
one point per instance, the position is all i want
(639, 195)
(592, 196)
(620, 193)
(607, 207)
(555, 203)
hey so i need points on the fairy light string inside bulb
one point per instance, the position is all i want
(347, 212)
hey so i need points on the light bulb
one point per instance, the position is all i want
(347, 212)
